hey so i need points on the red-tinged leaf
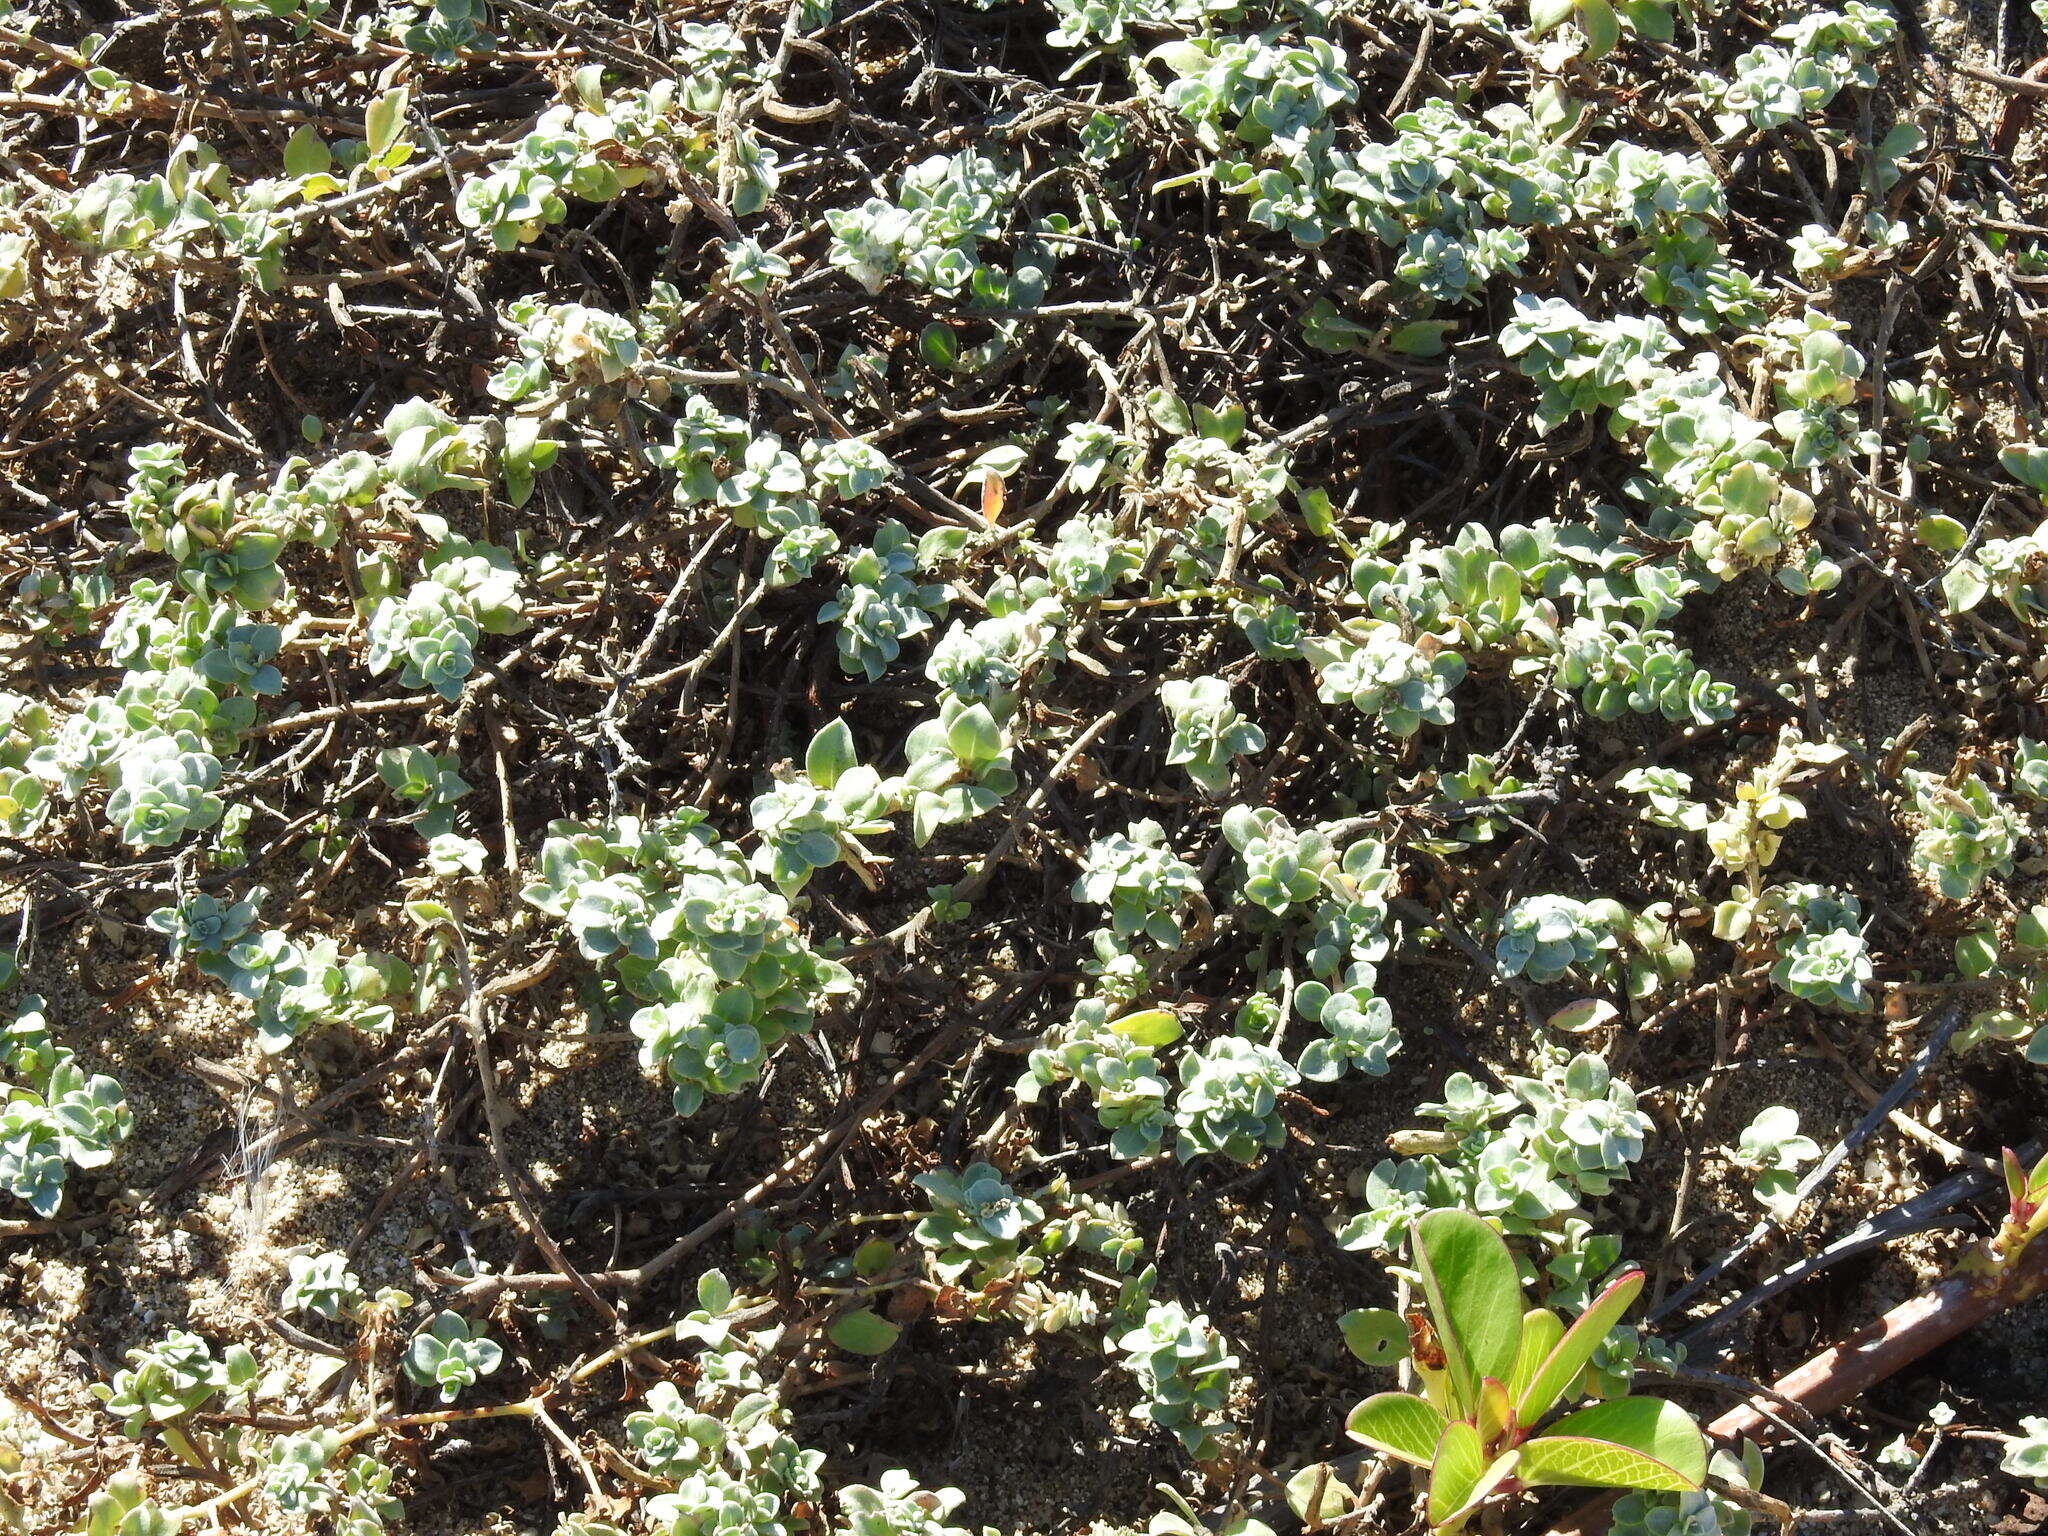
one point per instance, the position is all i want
(1628, 1442)
(1568, 1358)
(1475, 1297)
(1496, 1412)
(1455, 1470)
(1541, 1329)
(1504, 1466)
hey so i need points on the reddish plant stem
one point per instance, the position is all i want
(1910, 1330)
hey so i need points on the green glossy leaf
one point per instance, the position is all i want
(1455, 1469)
(1504, 1466)
(1629, 1442)
(1376, 1335)
(1496, 1410)
(1475, 1297)
(1403, 1425)
(862, 1332)
(1564, 1363)
(1569, 1461)
(1541, 1329)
